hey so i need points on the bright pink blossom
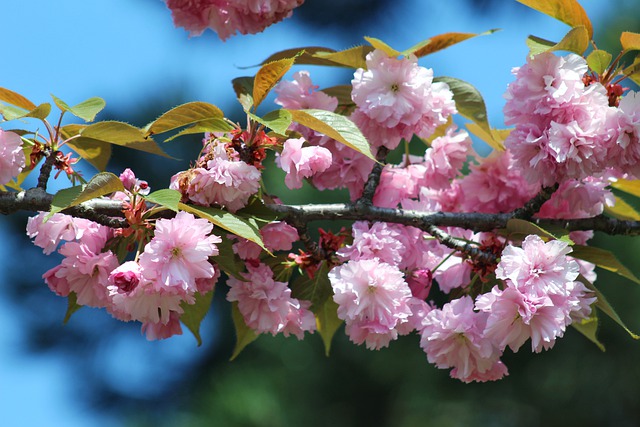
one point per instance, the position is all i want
(302, 162)
(12, 159)
(624, 154)
(179, 253)
(301, 93)
(373, 300)
(375, 241)
(452, 337)
(160, 331)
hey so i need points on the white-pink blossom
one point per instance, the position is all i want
(179, 253)
(12, 158)
(300, 93)
(373, 300)
(302, 162)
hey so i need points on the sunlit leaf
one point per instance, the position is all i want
(165, 197)
(603, 259)
(243, 87)
(495, 139)
(95, 152)
(353, 57)
(628, 186)
(439, 131)
(123, 134)
(599, 60)
(568, 11)
(576, 40)
(630, 41)
(213, 125)
(520, 229)
(244, 334)
(589, 328)
(306, 55)
(184, 115)
(380, 45)
(227, 221)
(622, 210)
(16, 99)
(442, 41)
(276, 120)
(342, 92)
(72, 306)
(10, 112)
(86, 110)
(469, 101)
(227, 260)
(267, 77)
(195, 313)
(101, 184)
(334, 126)
(327, 322)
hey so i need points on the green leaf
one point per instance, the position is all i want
(11, 113)
(589, 328)
(244, 335)
(469, 101)
(334, 126)
(519, 229)
(317, 289)
(227, 221)
(604, 259)
(328, 323)
(123, 134)
(213, 125)
(442, 41)
(622, 210)
(101, 184)
(568, 11)
(629, 41)
(72, 306)
(495, 139)
(184, 115)
(599, 60)
(267, 77)
(95, 152)
(16, 99)
(628, 186)
(354, 57)
(306, 55)
(195, 313)
(227, 260)
(243, 87)
(576, 40)
(633, 70)
(342, 92)
(380, 45)
(276, 120)
(166, 197)
(86, 110)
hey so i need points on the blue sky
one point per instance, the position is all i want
(76, 49)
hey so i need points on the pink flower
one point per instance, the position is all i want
(302, 162)
(146, 303)
(48, 235)
(398, 93)
(277, 236)
(227, 17)
(445, 158)
(624, 154)
(266, 305)
(179, 253)
(376, 241)
(452, 338)
(396, 184)
(373, 300)
(132, 184)
(578, 199)
(12, 159)
(126, 277)
(301, 94)
(538, 268)
(160, 331)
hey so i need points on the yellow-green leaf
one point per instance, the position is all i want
(95, 152)
(576, 40)
(276, 120)
(16, 99)
(72, 306)
(495, 139)
(342, 92)
(334, 126)
(380, 45)
(123, 134)
(86, 110)
(354, 57)
(316, 289)
(244, 334)
(628, 186)
(226, 220)
(633, 70)
(519, 229)
(568, 11)
(213, 125)
(306, 55)
(267, 77)
(195, 313)
(327, 322)
(622, 210)
(603, 259)
(440, 131)
(630, 41)
(599, 60)
(184, 115)
(11, 112)
(469, 101)
(243, 87)
(589, 328)
(165, 197)
(442, 41)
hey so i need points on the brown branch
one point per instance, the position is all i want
(373, 180)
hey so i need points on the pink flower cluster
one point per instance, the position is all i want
(566, 129)
(266, 305)
(226, 17)
(12, 159)
(172, 268)
(220, 178)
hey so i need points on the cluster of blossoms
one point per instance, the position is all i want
(12, 158)
(226, 17)
(385, 278)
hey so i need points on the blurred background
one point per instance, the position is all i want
(100, 372)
